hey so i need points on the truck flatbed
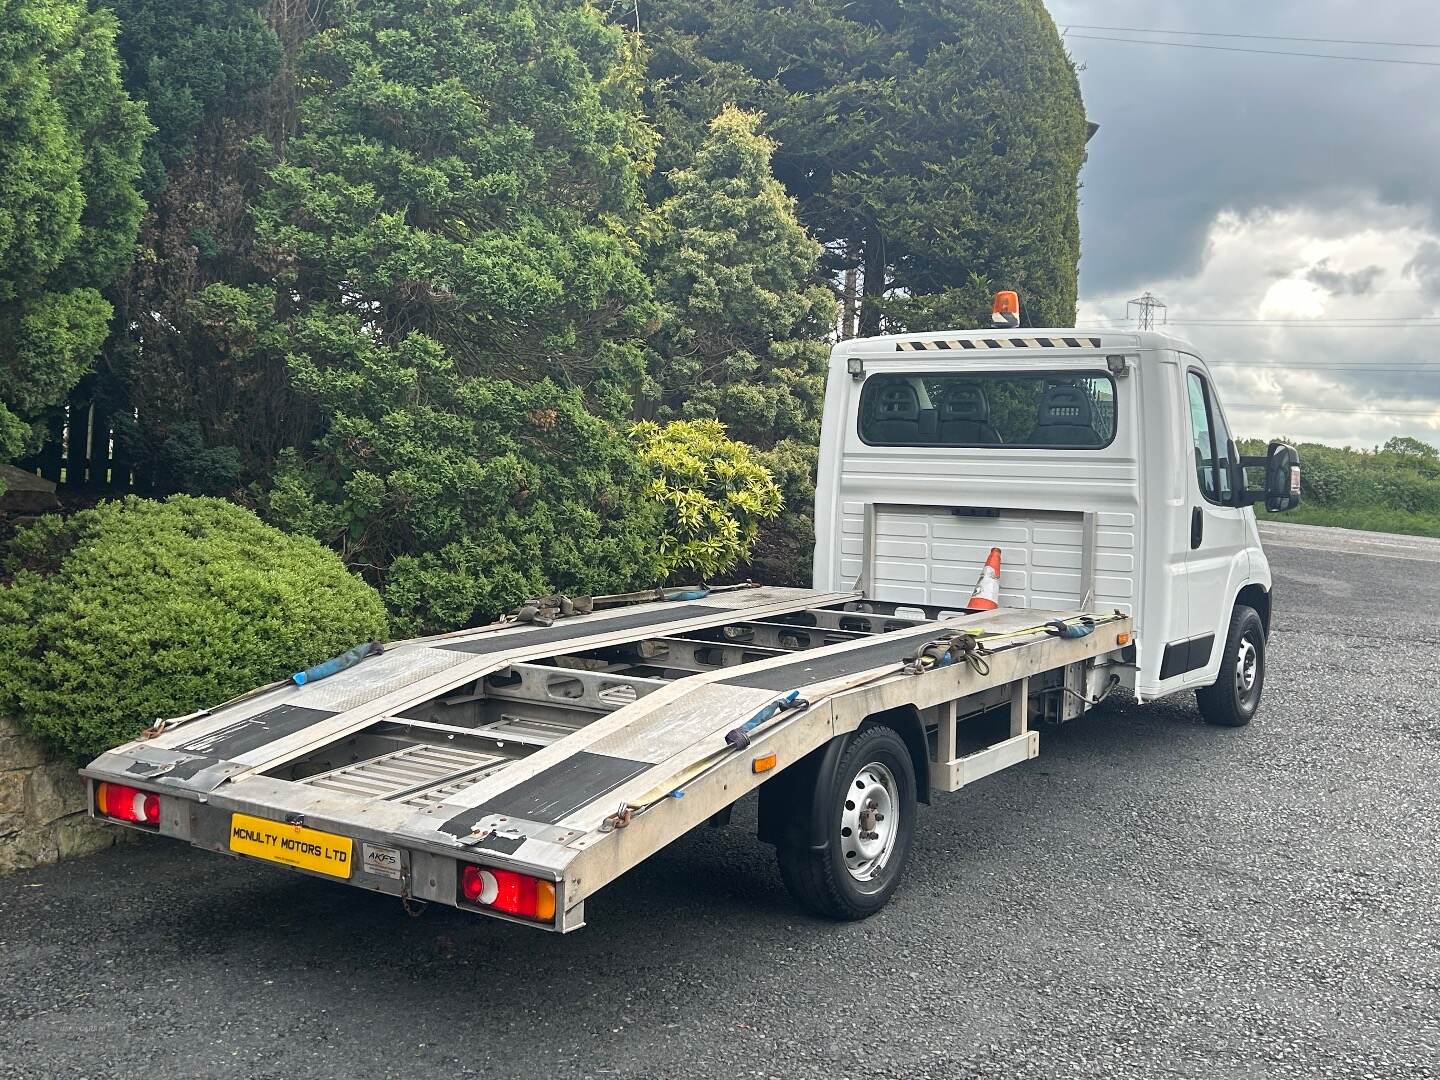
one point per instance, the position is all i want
(571, 752)
(513, 770)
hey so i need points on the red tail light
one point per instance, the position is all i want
(128, 804)
(507, 891)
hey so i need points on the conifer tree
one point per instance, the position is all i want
(743, 332)
(460, 301)
(69, 205)
(192, 412)
(933, 145)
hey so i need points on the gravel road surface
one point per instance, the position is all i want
(1151, 897)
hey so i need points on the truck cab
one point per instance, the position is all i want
(1099, 462)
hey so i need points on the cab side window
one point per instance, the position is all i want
(1223, 469)
(1211, 439)
(1202, 435)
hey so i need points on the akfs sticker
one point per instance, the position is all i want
(378, 859)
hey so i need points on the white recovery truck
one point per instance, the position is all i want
(515, 769)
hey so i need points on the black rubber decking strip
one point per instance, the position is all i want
(574, 629)
(253, 732)
(809, 668)
(554, 794)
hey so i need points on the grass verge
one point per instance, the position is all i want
(1369, 518)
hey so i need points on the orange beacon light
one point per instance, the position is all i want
(1006, 311)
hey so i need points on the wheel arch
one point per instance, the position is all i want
(1256, 596)
(788, 810)
(905, 721)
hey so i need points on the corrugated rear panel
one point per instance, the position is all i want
(927, 555)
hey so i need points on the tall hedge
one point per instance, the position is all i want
(460, 303)
(191, 61)
(141, 609)
(70, 143)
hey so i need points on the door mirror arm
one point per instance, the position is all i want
(1243, 495)
(1282, 479)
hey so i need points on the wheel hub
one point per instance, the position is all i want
(1247, 664)
(868, 821)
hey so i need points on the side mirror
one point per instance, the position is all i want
(1282, 479)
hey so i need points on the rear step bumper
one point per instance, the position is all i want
(379, 858)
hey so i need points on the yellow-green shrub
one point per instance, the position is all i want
(714, 490)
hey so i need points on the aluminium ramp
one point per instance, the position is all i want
(261, 733)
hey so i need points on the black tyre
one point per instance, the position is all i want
(869, 819)
(1235, 697)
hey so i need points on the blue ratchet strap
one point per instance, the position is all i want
(335, 664)
(698, 592)
(739, 738)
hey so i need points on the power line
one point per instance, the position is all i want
(1256, 37)
(1376, 323)
(1288, 371)
(1362, 323)
(1253, 294)
(1426, 322)
(1259, 52)
(1283, 320)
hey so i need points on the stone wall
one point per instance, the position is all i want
(42, 806)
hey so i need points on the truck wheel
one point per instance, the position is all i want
(1232, 701)
(869, 819)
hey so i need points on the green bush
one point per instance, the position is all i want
(464, 496)
(1324, 482)
(1392, 488)
(140, 609)
(714, 490)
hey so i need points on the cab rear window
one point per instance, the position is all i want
(1057, 411)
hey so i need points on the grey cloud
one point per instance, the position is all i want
(1340, 283)
(1424, 268)
(1363, 378)
(1301, 156)
(1188, 133)
(1334, 371)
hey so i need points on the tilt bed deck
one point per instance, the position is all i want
(557, 757)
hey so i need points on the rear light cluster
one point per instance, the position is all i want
(507, 891)
(128, 804)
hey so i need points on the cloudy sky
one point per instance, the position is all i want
(1286, 208)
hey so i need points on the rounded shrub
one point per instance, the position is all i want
(141, 609)
(715, 493)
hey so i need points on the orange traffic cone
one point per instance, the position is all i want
(987, 589)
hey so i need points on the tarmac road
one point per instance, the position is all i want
(1151, 897)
